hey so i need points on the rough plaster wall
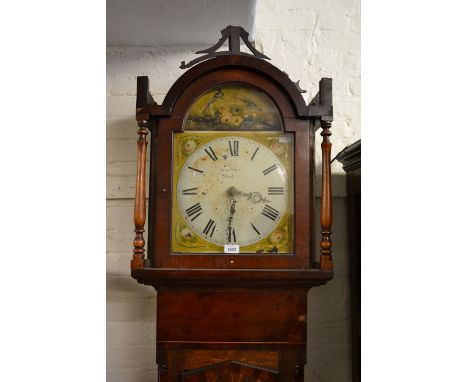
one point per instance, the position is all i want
(131, 308)
(311, 39)
(308, 40)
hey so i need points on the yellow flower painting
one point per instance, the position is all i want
(234, 107)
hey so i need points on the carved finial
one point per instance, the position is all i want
(235, 34)
(299, 87)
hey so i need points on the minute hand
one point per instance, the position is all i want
(232, 211)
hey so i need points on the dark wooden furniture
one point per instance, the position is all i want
(228, 317)
(350, 157)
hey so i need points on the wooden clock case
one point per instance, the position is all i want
(228, 317)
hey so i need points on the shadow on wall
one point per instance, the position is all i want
(131, 331)
(329, 308)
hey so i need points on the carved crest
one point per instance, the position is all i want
(234, 34)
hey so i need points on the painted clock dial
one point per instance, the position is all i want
(233, 190)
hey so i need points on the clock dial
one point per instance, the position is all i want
(233, 190)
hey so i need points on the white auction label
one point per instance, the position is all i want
(231, 248)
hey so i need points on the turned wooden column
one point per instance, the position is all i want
(326, 215)
(140, 198)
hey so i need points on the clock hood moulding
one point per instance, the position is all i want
(216, 68)
(320, 107)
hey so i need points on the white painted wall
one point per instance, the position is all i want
(308, 40)
(174, 22)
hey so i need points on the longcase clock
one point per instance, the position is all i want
(231, 249)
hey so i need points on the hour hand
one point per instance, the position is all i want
(254, 197)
